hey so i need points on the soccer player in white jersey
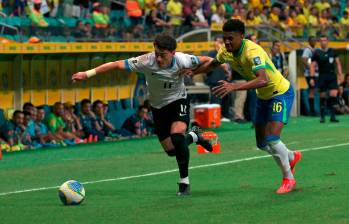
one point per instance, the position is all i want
(168, 98)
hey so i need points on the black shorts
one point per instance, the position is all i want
(326, 83)
(165, 116)
(315, 80)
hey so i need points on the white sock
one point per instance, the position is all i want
(280, 154)
(194, 136)
(184, 180)
(289, 152)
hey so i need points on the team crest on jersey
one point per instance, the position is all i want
(257, 61)
(134, 61)
(193, 61)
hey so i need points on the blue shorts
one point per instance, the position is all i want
(275, 109)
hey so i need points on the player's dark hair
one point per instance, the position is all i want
(26, 113)
(234, 25)
(324, 36)
(94, 105)
(85, 101)
(16, 113)
(275, 42)
(164, 41)
(142, 107)
(27, 105)
(311, 38)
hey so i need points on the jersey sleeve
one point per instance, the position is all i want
(138, 64)
(257, 59)
(188, 60)
(306, 53)
(220, 55)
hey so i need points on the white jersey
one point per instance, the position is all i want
(164, 85)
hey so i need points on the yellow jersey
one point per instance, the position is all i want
(250, 58)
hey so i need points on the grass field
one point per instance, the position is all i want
(134, 182)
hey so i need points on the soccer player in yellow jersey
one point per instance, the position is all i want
(274, 92)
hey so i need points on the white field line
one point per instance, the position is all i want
(171, 171)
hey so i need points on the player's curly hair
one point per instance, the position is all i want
(234, 25)
(165, 42)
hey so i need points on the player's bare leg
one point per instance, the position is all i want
(268, 139)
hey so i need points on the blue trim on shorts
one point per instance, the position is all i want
(276, 108)
(127, 65)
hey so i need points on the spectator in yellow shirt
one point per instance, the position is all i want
(274, 16)
(301, 21)
(174, 8)
(344, 25)
(322, 5)
(313, 21)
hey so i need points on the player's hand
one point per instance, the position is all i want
(223, 89)
(79, 76)
(312, 82)
(186, 71)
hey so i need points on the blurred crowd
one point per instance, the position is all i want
(141, 19)
(64, 125)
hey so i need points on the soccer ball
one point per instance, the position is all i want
(71, 192)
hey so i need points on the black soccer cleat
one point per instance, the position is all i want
(201, 140)
(334, 120)
(183, 189)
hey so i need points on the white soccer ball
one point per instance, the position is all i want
(71, 192)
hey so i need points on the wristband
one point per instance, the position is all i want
(91, 73)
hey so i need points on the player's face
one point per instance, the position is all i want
(86, 108)
(99, 109)
(232, 41)
(323, 42)
(19, 118)
(143, 113)
(312, 42)
(40, 115)
(163, 57)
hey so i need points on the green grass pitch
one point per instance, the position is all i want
(238, 191)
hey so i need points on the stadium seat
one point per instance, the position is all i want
(118, 105)
(69, 22)
(111, 105)
(126, 103)
(2, 117)
(25, 22)
(118, 117)
(58, 39)
(14, 21)
(136, 103)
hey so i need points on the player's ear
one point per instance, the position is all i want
(173, 52)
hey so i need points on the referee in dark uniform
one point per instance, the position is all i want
(327, 61)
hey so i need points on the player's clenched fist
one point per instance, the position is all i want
(79, 76)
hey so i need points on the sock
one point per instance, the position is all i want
(266, 148)
(191, 137)
(280, 154)
(182, 154)
(333, 103)
(184, 180)
(311, 105)
(322, 107)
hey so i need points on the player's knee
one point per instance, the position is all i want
(272, 140)
(171, 152)
(177, 139)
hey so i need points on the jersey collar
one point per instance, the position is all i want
(238, 53)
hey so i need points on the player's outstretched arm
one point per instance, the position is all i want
(116, 65)
(206, 65)
(226, 87)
